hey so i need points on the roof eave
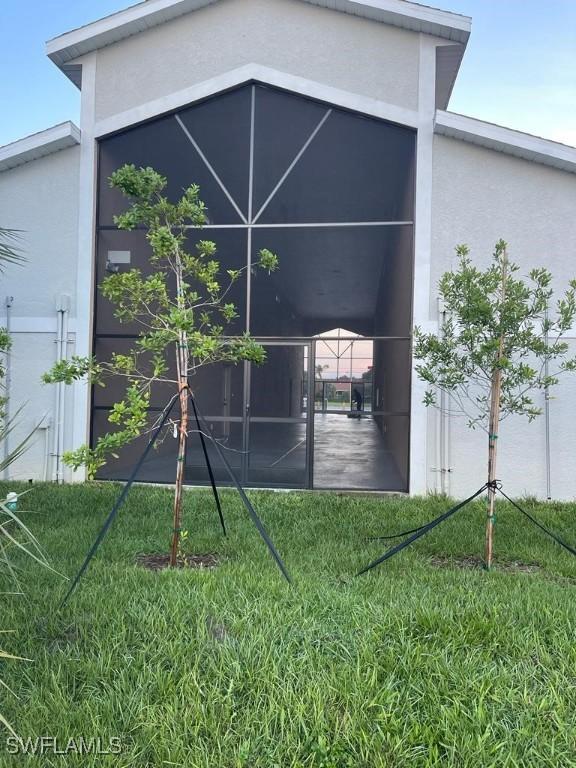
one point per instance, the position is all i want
(506, 140)
(111, 29)
(38, 145)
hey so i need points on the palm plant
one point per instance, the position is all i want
(10, 252)
(14, 535)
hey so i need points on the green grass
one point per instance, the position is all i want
(410, 665)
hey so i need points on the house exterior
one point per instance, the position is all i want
(319, 129)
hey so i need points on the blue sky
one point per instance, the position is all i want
(519, 69)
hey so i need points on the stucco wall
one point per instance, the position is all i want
(41, 199)
(330, 47)
(480, 196)
(32, 354)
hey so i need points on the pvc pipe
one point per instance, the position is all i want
(46, 452)
(444, 428)
(62, 310)
(547, 427)
(8, 383)
(448, 455)
(56, 435)
(442, 442)
(45, 427)
(64, 356)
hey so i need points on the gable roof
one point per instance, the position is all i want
(151, 13)
(39, 144)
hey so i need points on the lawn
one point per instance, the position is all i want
(418, 663)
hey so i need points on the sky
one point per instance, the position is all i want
(519, 70)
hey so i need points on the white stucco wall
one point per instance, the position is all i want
(32, 354)
(329, 47)
(41, 199)
(480, 196)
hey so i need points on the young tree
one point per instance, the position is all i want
(500, 343)
(182, 311)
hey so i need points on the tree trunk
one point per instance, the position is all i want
(492, 455)
(182, 439)
(494, 422)
(182, 372)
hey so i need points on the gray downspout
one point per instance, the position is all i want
(547, 426)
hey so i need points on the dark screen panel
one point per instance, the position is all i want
(329, 278)
(391, 377)
(279, 387)
(221, 128)
(160, 144)
(135, 252)
(231, 253)
(283, 124)
(229, 435)
(160, 465)
(278, 454)
(231, 245)
(115, 387)
(219, 389)
(356, 169)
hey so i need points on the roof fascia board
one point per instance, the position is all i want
(117, 26)
(506, 140)
(408, 15)
(448, 61)
(39, 145)
(111, 29)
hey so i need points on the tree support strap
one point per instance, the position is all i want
(209, 466)
(552, 535)
(255, 519)
(419, 532)
(110, 519)
(120, 500)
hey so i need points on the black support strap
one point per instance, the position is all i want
(552, 535)
(209, 466)
(396, 535)
(251, 511)
(120, 500)
(419, 532)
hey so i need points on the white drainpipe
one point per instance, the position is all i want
(45, 428)
(62, 312)
(445, 457)
(547, 427)
(8, 383)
